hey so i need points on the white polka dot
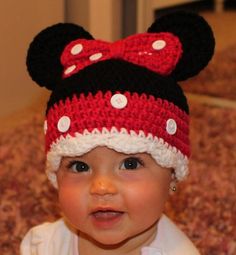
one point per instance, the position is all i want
(119, 101)
(63, 124)
(45, 127)
(70, 69)
(95, 56)
(158, 44)
(171, 126)
(76, 49)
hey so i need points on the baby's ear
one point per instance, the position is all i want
(43, 57)
(196, 37)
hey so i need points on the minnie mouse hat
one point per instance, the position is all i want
(123, 95)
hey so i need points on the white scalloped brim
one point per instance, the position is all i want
(120, 141)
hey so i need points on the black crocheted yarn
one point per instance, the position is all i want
(118, 75)
(43, 58)
(196, 37)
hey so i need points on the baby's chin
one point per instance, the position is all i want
(106, 241)
(119, 241)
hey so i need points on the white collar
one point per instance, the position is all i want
(170, 240)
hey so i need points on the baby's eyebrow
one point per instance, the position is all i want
(133, 155)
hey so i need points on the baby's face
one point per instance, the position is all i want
(112, 197)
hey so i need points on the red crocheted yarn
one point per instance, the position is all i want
(142, 113)
(158, 52)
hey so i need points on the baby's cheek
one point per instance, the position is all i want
(148, 196)
(71, 205)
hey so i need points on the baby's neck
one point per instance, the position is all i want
(131, 246)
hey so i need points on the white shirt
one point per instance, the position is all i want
(57, 239)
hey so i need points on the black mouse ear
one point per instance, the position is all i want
(196, 37)
(43, 57)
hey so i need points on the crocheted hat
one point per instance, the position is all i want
(123, 95)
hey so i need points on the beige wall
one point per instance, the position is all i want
(19, 22)
(101, 17)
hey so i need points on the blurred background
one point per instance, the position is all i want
(20, 21)
(205, 205)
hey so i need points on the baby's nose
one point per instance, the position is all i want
(103, 185)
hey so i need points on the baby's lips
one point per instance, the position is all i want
(106, 215)
(105, 211)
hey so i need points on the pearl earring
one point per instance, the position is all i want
(173, 186)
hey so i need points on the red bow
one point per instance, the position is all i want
(159, 52)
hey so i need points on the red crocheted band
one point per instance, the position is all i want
(119, 121)
(141, 113)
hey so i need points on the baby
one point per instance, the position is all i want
(116, 128)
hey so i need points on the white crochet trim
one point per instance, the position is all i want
(123, 141)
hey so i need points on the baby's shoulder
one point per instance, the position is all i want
(46, 229)
(174, 240)
(41, 239)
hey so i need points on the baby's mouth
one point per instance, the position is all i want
(106, 218)
(106, 214)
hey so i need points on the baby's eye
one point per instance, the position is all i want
(78, 166)
(131, 163)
